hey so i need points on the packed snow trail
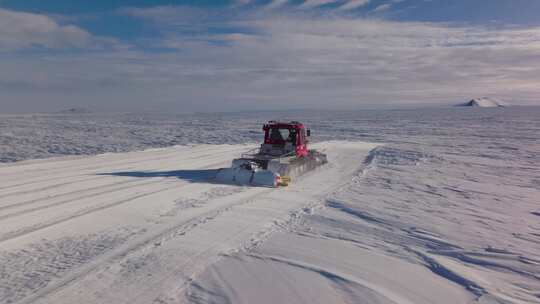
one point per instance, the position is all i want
(137, 227)
(407, 229)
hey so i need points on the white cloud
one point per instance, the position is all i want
(276, 4)
(24, 30)
(354, 4)
(382, 7)
(241, 2)
(315, 3)
(289, 61)
(164, 14)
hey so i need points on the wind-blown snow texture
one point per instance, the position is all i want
(456, 192)
(39, 136)
(446, 210)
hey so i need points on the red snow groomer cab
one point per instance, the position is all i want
(282, 138)
(283, 155)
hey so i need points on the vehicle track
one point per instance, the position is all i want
(83, 167)
(123, 251)
(41, 180)
(27, 270)
(75, 199)
(126, 166)
(86, 211)
(84, 162)
(30, 229)
(137, 184)
(49, 197)
(176, 228)
(169, 155)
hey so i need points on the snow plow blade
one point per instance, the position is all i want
(270, 173)
(246, 177)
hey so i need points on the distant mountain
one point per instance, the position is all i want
(75, 111)
(484, 102)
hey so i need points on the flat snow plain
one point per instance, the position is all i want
(441, 207)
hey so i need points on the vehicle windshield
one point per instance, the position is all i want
(279, 136)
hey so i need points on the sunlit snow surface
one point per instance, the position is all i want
(456, 191)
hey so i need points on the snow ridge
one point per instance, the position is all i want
(484, 102)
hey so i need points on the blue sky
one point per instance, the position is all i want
(137, 55)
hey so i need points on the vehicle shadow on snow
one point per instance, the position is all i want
(193, 176)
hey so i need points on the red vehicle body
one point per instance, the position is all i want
(281, 133)
(282, 156)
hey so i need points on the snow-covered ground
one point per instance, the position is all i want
(484, 102)
(441, 207)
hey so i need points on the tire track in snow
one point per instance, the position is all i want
(115, 163)
(71, 182)
(83, 212)
(18, 233)
(84, 167)
(49, 187)
(115, 158)
(75, 199)
(49, 179)
(55, 196)
(171, 231)
(107, 270)
(29, 269)
(84, 190)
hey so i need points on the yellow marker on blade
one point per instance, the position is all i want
(284, 181)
